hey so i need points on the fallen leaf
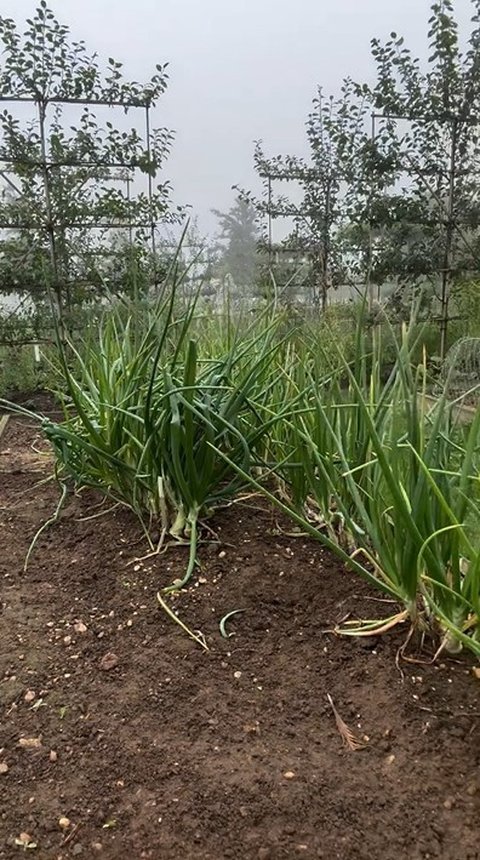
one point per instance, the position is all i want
(349, 739)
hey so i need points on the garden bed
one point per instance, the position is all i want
(147, 746)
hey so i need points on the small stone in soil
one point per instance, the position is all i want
(80, 627)
(3, 767)
(289, 774)
(30, 743)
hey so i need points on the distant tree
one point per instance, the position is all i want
(238, 242)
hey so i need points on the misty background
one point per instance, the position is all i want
(239, 71)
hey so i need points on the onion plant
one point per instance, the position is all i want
(145, 411)
(393, 484)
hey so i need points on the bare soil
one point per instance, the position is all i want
(120, 737)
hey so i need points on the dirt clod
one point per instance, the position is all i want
(108, 661)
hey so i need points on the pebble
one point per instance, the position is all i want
(29, 696)
(3, 767)
(80, 627)
(237, 675)
(64, 822)
(289, 774)
(53, 755)
(67, 640)
(449, 803)
(472, 789)
(30, 743)
(108, 661)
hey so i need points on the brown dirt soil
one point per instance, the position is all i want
(167, 751)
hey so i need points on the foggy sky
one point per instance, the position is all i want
(240, 70)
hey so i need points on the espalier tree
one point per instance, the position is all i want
(410, 158)
(316, 219)
(60, 179)
(389, 191)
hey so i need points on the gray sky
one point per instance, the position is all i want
(240, 70)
